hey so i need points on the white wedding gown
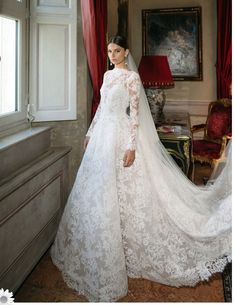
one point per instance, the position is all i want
(145, 221)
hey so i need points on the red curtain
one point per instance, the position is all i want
(224, 48)
(94, 16)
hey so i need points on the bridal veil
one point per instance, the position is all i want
(202, 212)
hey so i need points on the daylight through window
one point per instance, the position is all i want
(8, 66)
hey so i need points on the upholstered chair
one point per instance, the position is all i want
(217, 132)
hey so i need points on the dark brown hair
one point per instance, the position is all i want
(119, 40)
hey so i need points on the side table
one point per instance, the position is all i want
(175, 134)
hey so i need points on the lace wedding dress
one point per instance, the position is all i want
(146, 221)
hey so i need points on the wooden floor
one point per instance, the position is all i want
(45, 283)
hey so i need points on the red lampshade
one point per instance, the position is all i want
(154, 71)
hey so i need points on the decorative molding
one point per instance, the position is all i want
(32, 200)
(53, 56)
(52, 52)
(53, 3)
(194, 108)
(32, 196)
(53, 7)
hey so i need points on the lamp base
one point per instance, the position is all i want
(156, 98)
(160, 119)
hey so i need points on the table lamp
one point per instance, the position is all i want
(156, 76)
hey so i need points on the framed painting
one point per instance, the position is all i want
(176, 33)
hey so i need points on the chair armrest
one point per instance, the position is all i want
(226, 138)
(224, 143)
(199, 127)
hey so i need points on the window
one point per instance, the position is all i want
(40, 70)
(8, 66)
(13, 64)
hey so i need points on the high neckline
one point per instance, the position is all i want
(120, 69)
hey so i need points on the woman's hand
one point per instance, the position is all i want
(86, 142)
(129, 158)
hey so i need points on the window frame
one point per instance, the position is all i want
(13, 10)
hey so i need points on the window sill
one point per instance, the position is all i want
(21, 148)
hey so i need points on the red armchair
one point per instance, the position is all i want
(217, 132)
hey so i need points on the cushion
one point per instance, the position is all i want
(219, 122)
(206, 149)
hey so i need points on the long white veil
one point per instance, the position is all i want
(202, 212)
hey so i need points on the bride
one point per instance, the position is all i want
(132, 212)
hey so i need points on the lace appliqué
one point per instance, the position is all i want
(94, 121)
(131, 82)
(133, 86)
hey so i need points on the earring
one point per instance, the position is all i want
(111, 64)
(126, 62)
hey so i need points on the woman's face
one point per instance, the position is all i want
(116, 54)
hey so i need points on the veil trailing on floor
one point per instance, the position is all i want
(202, 212)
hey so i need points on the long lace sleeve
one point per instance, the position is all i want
(94, 121)
(133, 87)
(98, 111)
